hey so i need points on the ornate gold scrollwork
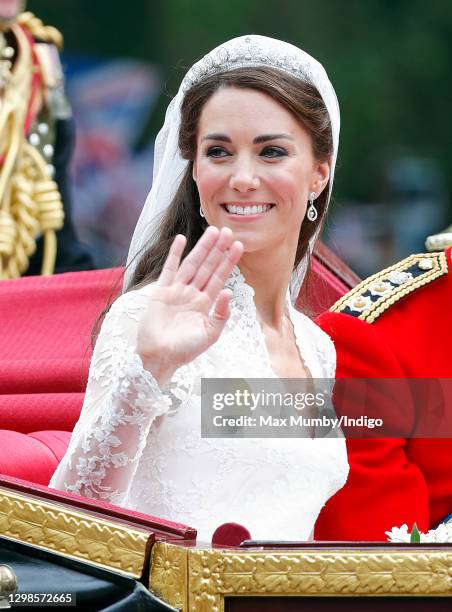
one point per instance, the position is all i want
(75, 534)
(211, 575)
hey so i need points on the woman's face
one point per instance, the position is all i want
(254, 168)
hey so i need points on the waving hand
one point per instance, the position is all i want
(188, 306)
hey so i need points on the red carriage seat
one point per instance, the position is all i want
(46, 324)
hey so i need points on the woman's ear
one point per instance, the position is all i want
(194, 172)
(320, 177)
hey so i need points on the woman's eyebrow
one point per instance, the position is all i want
(266, 137)
(221, 137)
(257, 140)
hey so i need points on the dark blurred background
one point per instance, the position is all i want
(388, 61)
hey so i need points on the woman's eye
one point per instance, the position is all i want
(217, 152)
(272, 152)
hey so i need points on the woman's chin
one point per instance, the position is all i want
(252, 239)
(251, 245)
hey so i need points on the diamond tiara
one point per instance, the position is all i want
(248, 52)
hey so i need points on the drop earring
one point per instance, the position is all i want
(312, 213)
(201, 213)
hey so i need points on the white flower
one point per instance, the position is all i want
(398, 534)
(443, 533)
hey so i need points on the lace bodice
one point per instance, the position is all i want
(140, 446)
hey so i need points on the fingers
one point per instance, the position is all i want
(221, 313)
(213, 258)
(191, 264)
(223, 270)
(171, 265)
(222, 306)
(207, 266)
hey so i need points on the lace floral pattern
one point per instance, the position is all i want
(139, 446)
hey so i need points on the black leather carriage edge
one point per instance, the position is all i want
(40, 571)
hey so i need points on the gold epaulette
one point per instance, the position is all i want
(37, 29)
(374, 295)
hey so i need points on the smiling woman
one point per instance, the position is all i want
(249, 143)
(294, 157)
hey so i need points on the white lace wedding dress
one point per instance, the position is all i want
(141, 448)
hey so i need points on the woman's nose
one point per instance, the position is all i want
(244, 177)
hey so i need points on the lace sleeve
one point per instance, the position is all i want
(121, 402)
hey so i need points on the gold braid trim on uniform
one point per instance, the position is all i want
(37, 29)
(30, 203)
(374, 295)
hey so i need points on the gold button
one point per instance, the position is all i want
(380, 287)
(425, 264)
(360, 303)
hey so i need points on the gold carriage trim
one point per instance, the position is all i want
(197, 580)
(374, 295)
(73, 533)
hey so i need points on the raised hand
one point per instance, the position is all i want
(179, 323)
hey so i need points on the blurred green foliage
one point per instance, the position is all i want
(388, 60)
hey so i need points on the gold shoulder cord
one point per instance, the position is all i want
(30, 203)
(374, 295)
(37, 29)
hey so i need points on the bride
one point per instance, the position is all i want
(243, 173)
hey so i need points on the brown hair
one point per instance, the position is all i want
(182, 216)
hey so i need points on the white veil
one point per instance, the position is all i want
(169, 167)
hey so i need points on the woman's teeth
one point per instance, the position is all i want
(247, 210)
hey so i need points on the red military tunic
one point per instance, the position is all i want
(405, 331)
